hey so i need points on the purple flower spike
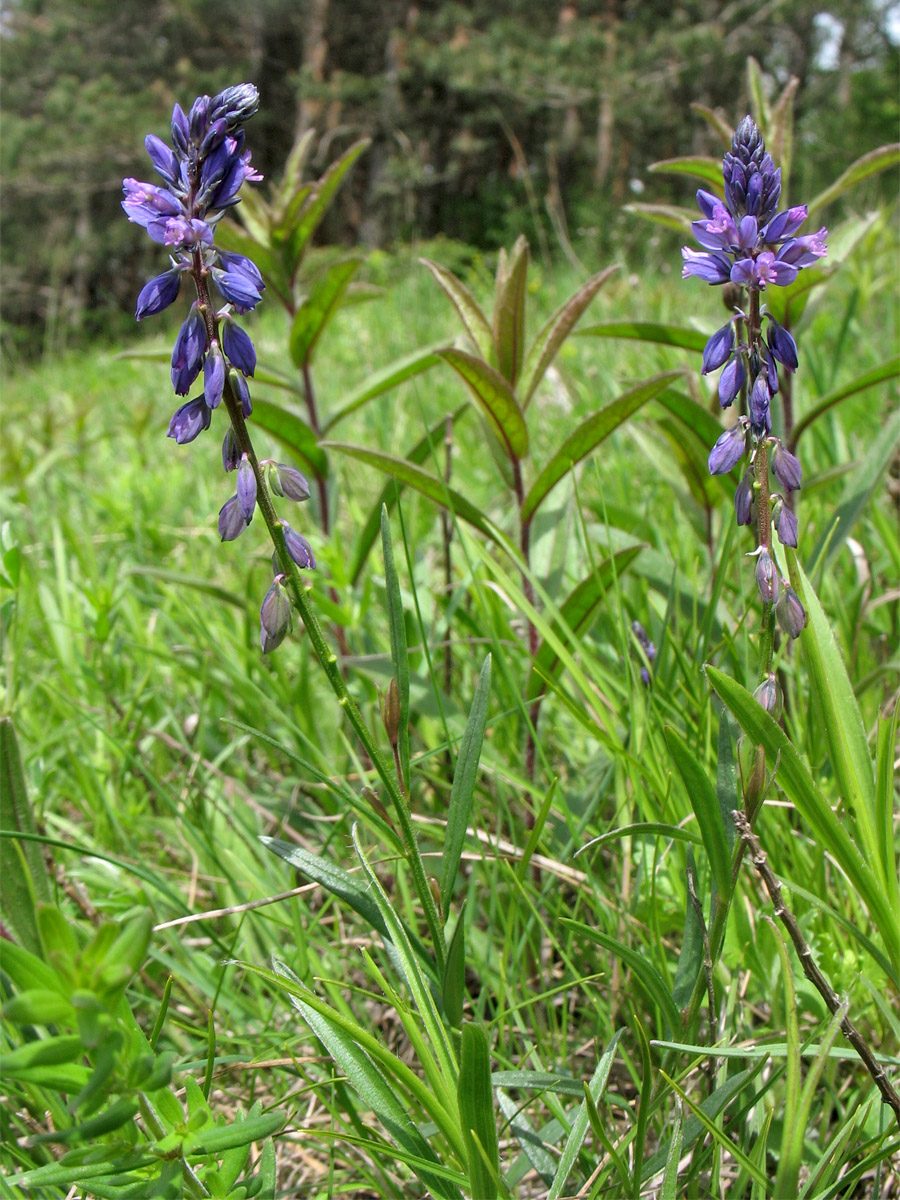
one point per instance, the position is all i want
(298, 548)
(731, 381)
(189, 420)
(766, 577)
(190, 347)
(786, 524)
(786, 468)
(246, 489)
(158, 293)
(232, 521)
(238, 347)
(718, 349)
(728, 451)
(274, 616)
(790, 613)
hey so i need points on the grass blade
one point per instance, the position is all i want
(397, 624)
(463, 789)
(476, 1112)
(581, 1122)
(705, 803)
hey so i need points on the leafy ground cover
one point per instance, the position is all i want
(165, 759)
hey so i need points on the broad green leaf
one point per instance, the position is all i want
(885, 372)
(435, 489)
(554, 332)
(384, 380)
(588, 436)
(255, 217)
(644, 970)
(795, 781)
(667, 215)
(319, 306)
(293, 432)
(648, 331)
(870, 164)
(496, 399)
(422, 450)
(319, 200)
(575, 616)
(476, 1112)
(705, 803)
(580, 1124)
(21, 865)
(470, 313)
(832, 699)
(462, 792)
(697, 165)
(397, 625)
(509, 311)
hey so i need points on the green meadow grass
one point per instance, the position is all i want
(159, 746)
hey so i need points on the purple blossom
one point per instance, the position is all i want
(158, 293)
(246, 488)
(790, 613)
(781, 345)
(718, 349)
(189, 351)
(786, 467)
(786, 524)
(238, 347)
(298, 547)
(239, 281)
(232, 521)
(274, 616)
(766, 576)
(189, 420)
(728, 450)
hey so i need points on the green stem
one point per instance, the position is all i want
(323, 652)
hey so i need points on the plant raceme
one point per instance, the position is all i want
(748, 244)
(203, 172)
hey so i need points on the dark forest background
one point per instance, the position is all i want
(488, 118)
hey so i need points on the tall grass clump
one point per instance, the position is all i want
(538, 837)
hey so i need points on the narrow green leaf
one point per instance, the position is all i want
(715, 122)
(884, 790)
(690, 956)
(191, 583)
(538, 1081)
(588, 436)
(885, 372)
(318, 307)
(667, 215)
(644, 970)
(495, 397)
(240, 1133)
(576, 614)
(832, 698)
(758, 102)
(797, 784)
(453, 989)
(422, 450)
(669, 1189)
(554, 332)
(292, 179)
(435, 489)
(476, 1112)
(870, 164)
(294, 433)
(648, 331)
(464, 776)
(509, 311)
(534, 1149)
(319, 200)
(580, 1124)
(384, 380)
(717, 1134)
(476, 323)
(397, 626)
(705, 804)
(696, 165)
(21, 865)
(793, 1132)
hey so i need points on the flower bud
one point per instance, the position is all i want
(790, 613)
(786, 468)
(246, 489)
(766, 577)
(158, 294)
(231, 452)
(238, 347)
(298, 547)
(188, 352)
(274, 616)
(728, 451)
(718, 349)
(189, 420)
(731, 381)
(214, 376)
(759, 404)
(768, 695)
(743, 499)
(232, 522)
(241, 391)
(786, 524)
(289, 482)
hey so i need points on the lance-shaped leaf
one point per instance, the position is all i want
(781, 132)
(463, 790)
(435, 489)
(292, 431)
(712, 118)
(589, 435)
(470, 313)
(476, 1112)
(881, 159)
(705, 804)
(885, 372)
(384, 379)
(697, 165)
(317, 309)
(648, 331)
(422, 450)
(575, 616)
(496, 399)
(509, 310)
(399, 657)
(292, 179)
(580, 1123)
(667, 215)
(758, 101)
(794, 779)
(317, 205)
(554, 332)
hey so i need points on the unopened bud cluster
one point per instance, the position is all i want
(202, 173)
